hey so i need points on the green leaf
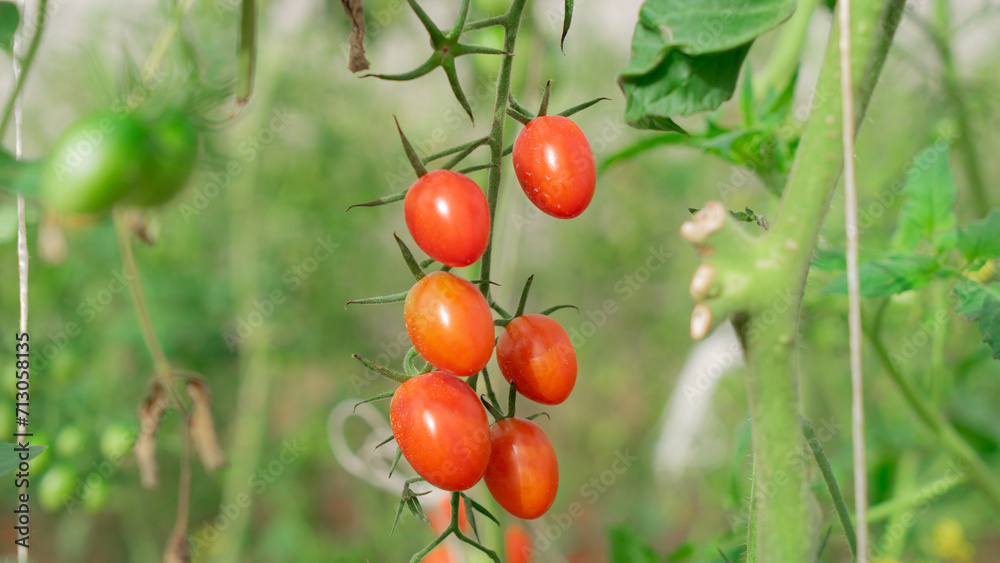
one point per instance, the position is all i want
(890, 275)
(10, 18)
(687, 55)
(928, 213)
(979, 303)
(10, 458)
(628, 547)
(980, 240)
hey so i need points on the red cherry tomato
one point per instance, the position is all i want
(442, 430)
(523, 474)
(555, 166)
(448, 217)
(517, 545)
(449, 323)
(536, 355)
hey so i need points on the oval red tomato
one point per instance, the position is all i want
(523, 473)
(536, 355)
(442, 430)
(447, 216)
(449, 323)
(555, 166)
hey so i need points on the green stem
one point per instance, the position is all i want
(163, 42)
(29, 58)
(953, 90)
(979, 473)
(831, 484)
(786, 54)
(511, 23)
(769, 326)
(923, 495)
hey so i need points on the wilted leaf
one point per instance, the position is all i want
(356, 13)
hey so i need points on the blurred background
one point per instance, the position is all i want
(255, 260)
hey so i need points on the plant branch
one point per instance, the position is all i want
(979, 473)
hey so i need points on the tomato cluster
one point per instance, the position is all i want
(437, 420)
(108, 157)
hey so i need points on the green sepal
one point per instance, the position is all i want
(385, 372)
(411, 262)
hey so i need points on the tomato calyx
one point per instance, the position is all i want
(411, 500)
(446, 48)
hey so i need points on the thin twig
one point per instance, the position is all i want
(853, 283)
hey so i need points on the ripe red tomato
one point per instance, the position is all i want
(523, 473)
(449, 323)
(517, 545)
(442, 430)
(536, 354)
(555, 166)
(448, 217)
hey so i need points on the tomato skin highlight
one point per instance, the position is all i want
(523, 473)
(535, 354)
(442, 430)
(449, 323)
(448, 217)
(95, 162)
(555, 166)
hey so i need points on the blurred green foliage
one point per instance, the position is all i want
(242, 243)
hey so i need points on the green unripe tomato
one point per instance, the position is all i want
(173, 152)
(70, 442)
(96, 161)
(57, 487)
(116, 441)
(95, 494)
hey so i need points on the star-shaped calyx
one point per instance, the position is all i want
(446, 49)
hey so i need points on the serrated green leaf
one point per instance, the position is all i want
(980, 239)
(928, 213)
(10, 18)
(628, 547)
(981, 304)
(10, 457)
(890, 275)
(687, 55)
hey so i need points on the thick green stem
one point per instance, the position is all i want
(511, 23)
(769, 325)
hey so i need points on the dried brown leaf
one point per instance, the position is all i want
(203, 433)
(356, 13)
